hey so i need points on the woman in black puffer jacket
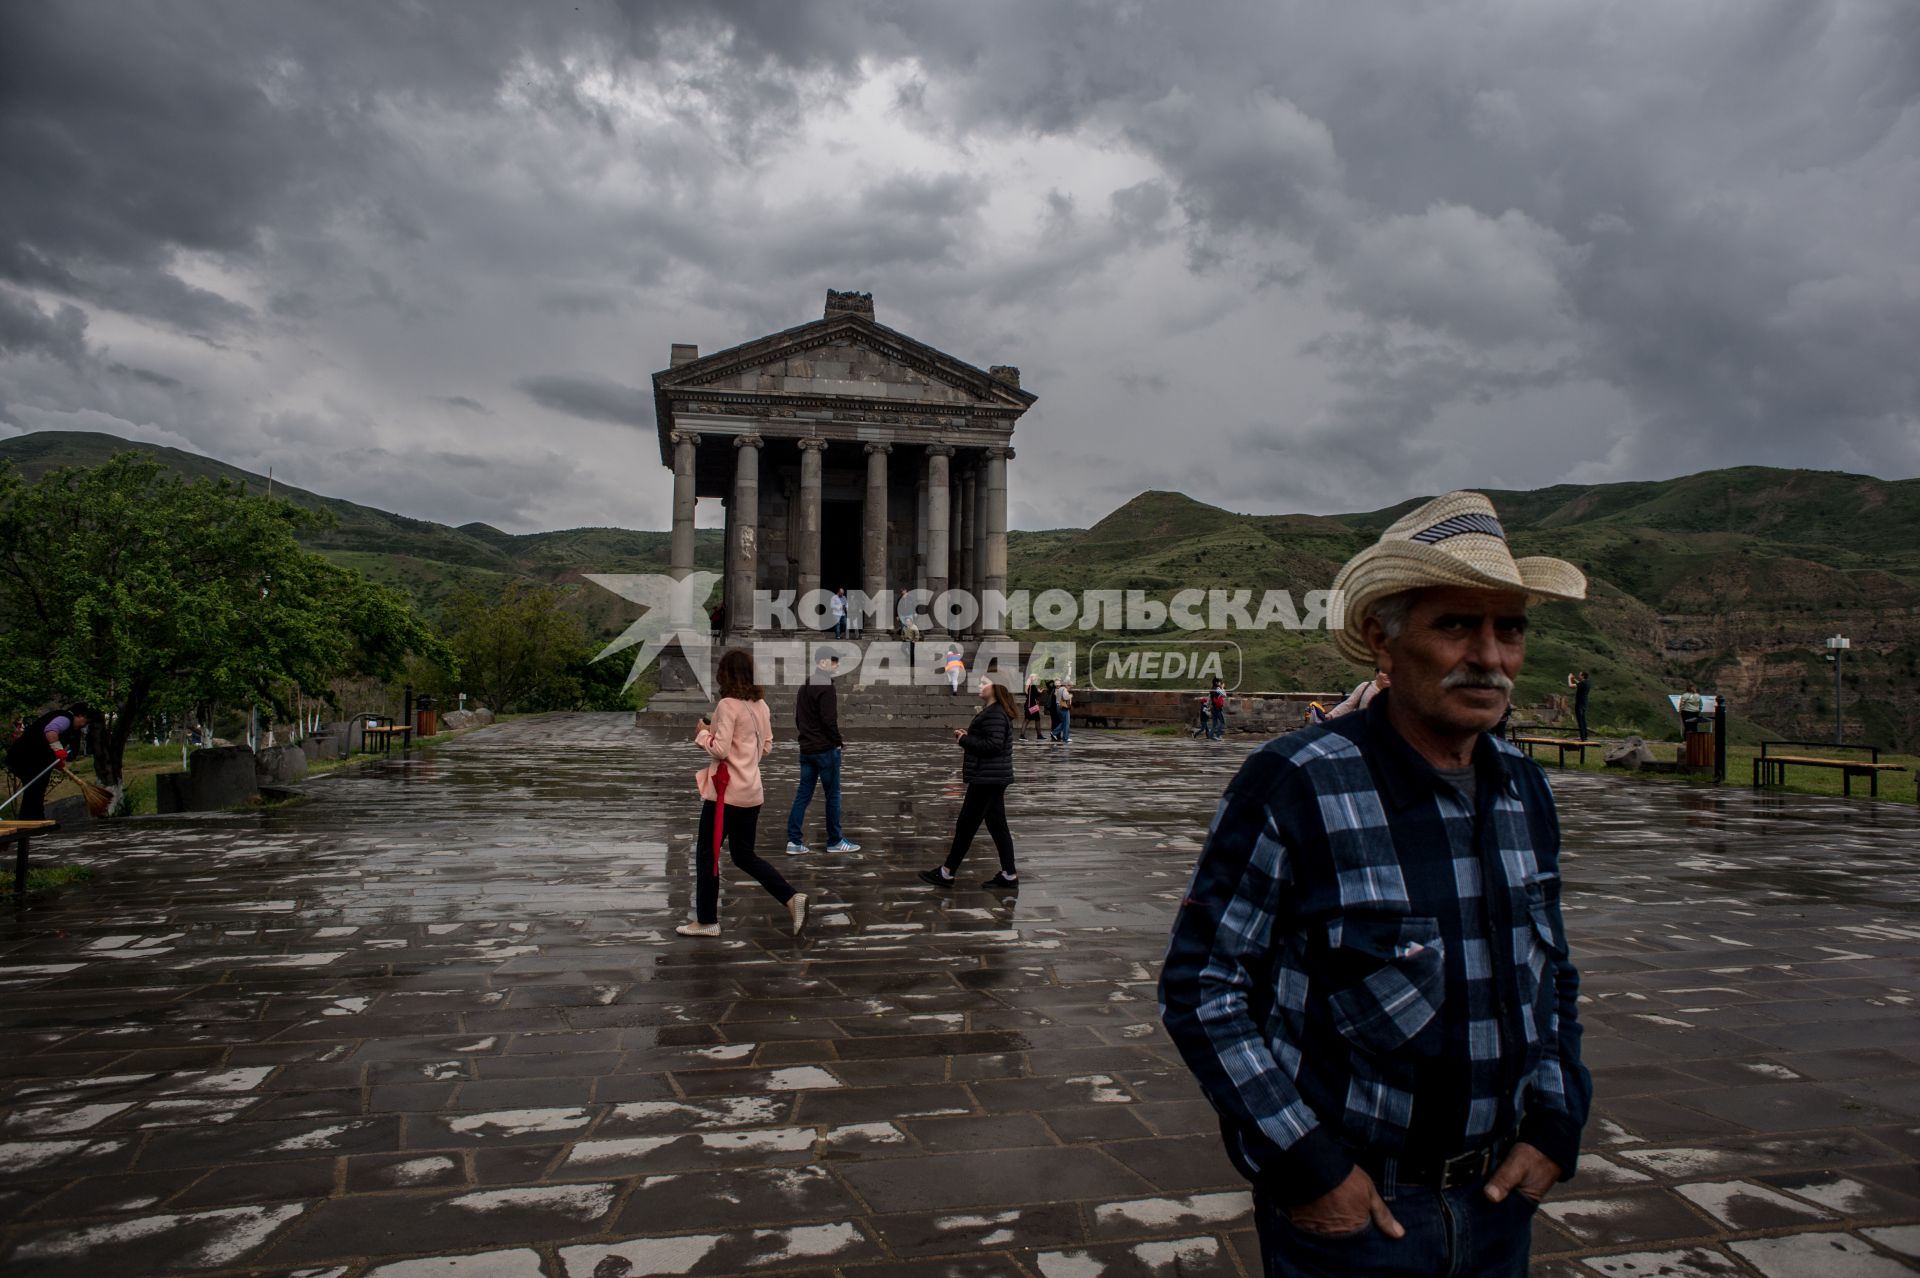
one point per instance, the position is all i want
(988, 771)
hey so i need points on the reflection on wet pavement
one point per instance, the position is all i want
(438, 1011)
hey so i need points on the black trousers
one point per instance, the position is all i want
(738, 833)
(983, 803)
(33, 803)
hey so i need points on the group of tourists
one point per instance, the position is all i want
(1368, 974)
(740, 734)
(1052, 699)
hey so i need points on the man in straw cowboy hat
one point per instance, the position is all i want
(1369, 975)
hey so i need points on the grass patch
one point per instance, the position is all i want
(45, 880)
(1895, 787)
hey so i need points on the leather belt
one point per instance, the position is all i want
(1456, 1172)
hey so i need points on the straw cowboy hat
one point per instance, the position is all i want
(1455, 540)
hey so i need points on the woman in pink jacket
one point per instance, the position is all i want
(738, 737)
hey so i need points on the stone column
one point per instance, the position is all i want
(680, 559)
(979, 490)
(964, 575)
(807, 526)
(937, 525)
(956, 568)
(873, 541)
(993, 621)
(744, 565)
(920, 531)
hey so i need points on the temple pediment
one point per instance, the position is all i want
(846, 356)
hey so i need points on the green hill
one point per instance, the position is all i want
(430, 562)
(1730, 578)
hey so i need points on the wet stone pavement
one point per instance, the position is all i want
(435, 1022)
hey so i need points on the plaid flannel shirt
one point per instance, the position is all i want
(1366, 962)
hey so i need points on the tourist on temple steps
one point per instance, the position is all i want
(838, 604)
(1369, 974)
(816, 722)
(987, 768)
(737, 738)
(38, 752)
(956, 667)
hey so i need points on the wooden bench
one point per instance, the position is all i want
(384, 733)
(1563, 744)
(20, 834)
(1771, 768)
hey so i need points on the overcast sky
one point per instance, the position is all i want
(1278, 256)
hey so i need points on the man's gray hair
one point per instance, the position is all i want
(1392, 611)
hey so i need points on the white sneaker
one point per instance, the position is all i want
(698, 929)
(797, 849)
(797, 907)
(844, 845)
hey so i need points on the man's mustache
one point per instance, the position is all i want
(1464, 678)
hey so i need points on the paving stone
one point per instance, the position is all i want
(720, 1253)
(1637, 1215)
(138, 1246)
(1202, 1257)
(734, 1200)
(354, 1009)
(1826, 1255)
(401, 1223)
(984, 1229)
(1692, 1262)
(978, 1180)
(514, 1263)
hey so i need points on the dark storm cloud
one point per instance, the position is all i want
(1396, 246)
(594, 398)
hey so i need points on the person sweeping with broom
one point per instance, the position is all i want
(738, 737)
(35, 754)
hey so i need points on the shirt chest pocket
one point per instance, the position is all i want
(1388, 980)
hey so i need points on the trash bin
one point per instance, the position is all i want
(1700, 745)
(425, 721)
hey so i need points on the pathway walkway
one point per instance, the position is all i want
(438, 1011)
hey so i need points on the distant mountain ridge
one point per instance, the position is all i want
(1732, 578)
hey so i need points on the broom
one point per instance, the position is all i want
(99, 802)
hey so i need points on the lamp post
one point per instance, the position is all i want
(1836, 645)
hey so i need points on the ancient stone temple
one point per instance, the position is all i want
(847, 455)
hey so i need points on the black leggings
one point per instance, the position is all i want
(33, 802)
(738, 834)
(988, 803)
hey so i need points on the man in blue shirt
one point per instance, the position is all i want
(1369, 975)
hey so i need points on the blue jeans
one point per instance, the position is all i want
(1063, 725)
(840, 626)
(1451, 1233)
(823, 767)
(1216, 722)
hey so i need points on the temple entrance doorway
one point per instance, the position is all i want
(840, 544)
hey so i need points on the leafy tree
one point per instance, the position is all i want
(520, 651)
(129, 587)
